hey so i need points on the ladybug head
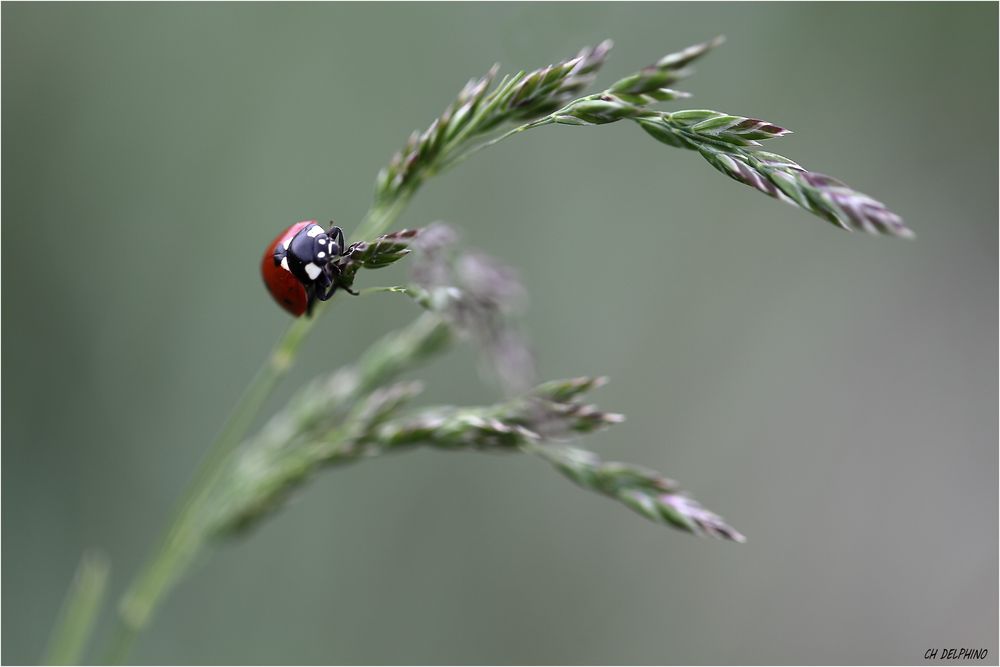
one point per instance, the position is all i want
(326, 250)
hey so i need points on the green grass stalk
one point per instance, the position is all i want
(79, 611)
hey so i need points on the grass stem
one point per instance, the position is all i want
(462, 157)
(182, 538)
(79, 611)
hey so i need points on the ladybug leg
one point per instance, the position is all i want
(346, 289)
(324, 286)
(337, 234)
(335, 277)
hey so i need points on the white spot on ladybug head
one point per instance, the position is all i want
(313, 231)
(313, 271)
(322, 242)
(321, 254)
(284, 264)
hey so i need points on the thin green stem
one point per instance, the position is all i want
(79, 611)
(399, 289)
(381, 216)
(462, 157)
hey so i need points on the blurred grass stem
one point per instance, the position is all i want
(79, 611)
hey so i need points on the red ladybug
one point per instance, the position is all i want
(299, 267)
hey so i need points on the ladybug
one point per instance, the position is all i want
(299, 267)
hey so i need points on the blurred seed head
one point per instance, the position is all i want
(481, 298)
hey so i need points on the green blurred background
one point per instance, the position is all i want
(832, 395)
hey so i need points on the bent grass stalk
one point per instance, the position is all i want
(476, 120)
